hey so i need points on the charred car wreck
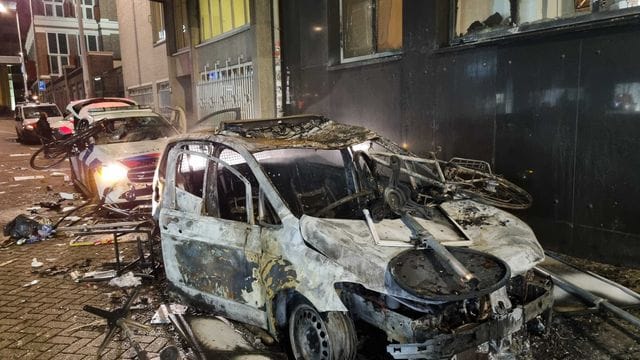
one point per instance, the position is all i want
(305, 227)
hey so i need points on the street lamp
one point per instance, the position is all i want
(4, 8)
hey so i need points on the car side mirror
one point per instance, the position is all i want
(18, 118)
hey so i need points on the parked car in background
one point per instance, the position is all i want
(308, 229)
(79, 110)
(27, 114)
(118, 161)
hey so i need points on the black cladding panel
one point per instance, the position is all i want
(536, 99)
(465, 104)
(608, 147)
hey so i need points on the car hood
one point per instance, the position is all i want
(349, 242)
(122, 151)
(54, 121)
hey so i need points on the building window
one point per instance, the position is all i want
(220, 16)
(157, 22)
(58, 52)
(180, 22)
(91, 42)
(482, 19)
(87, 9)
(53, 8)
(370, 28)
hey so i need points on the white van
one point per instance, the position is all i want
(27, 116)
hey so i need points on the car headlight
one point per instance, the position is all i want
(112, 173)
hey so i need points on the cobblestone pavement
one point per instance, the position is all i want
(42, 321)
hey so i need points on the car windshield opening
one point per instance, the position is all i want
(309, 180)
(34, 112)
(132, 129)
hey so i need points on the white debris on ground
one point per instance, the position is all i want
(35, 263)
(126, 280)
(162, 314)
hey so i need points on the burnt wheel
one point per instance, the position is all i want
(327, 336)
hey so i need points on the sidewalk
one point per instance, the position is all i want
(41, 321)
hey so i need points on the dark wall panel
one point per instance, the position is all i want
(608, 167)
(535, 131)
(465, 104)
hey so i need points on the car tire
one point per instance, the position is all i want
(19, 138)
(315, 336)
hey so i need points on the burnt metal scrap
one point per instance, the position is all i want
(118, 319)
(272, 220)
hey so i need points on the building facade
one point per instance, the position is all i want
(144, 53)
(52, 43)
(219, 55)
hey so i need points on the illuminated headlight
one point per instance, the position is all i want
(112, 173)
(29, 127)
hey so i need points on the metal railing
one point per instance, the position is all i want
(228, 87)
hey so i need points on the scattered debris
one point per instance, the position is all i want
(66, 196)
(162, 314)
(117, 319)
(28, 177)
(99, 275)
(54, 270)
(75, 275)
(126, 280)
(82, 241)
(27, 230)
(33, 282)
(184, 329)
(56, 206)
(7, 262)
(35, 263)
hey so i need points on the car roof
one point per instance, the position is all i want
(301, 131)
(115, 113)
(77, 105)
(37, 104)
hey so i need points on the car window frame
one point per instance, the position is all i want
(170, 177)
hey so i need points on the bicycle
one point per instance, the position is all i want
(460, 178)
(56, 151)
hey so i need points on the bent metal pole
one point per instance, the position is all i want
(598, 302)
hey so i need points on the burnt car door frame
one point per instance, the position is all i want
(216, 259)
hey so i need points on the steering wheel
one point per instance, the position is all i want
(343, 201)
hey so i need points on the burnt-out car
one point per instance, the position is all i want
(310, 229)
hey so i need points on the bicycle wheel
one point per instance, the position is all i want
(49, 155)
(488, 188)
